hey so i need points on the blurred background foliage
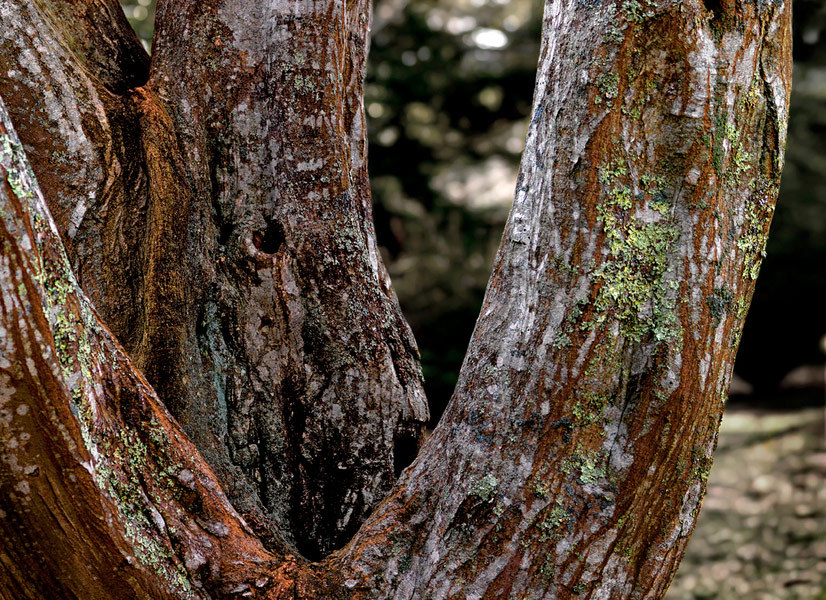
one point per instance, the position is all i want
(448, 93)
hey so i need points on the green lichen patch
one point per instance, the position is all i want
(653, 187)
(485, 489)
(10, 153)
(541, 487)
(701, 464)
(554, 522)
(588, 408)
(634, 288)
(753, 97)
(613, 31)
(637, 11)
(758, 213)
(612, 177)
(608, 86)
(588, 467)
(562, 340)
(592, 469)
(731, 166)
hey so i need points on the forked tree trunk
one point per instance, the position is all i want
(219, 217)
(215, 208)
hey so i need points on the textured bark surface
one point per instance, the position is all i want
(302, 345)
(64, 65)
(219, 217)
(572, 459)
(103, 494)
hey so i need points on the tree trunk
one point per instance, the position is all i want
(219, 217)
(215, 208)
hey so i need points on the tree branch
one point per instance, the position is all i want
(99, 37)
(266, 101)
(69, 65)
(146, 516)
(573, 456)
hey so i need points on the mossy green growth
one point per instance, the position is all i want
(562, 340)
(547, 570)
(717, 150)
(740, 159)
(541, 489)
(625, 519)
(750, 99)
(702, 464)
(628, 552)
(634, 288)
(558, 263)
(485, 488)
(10, 151)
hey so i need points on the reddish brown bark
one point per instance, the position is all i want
(232, 189)
(219, 218)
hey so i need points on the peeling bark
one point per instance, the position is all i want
(571, 461)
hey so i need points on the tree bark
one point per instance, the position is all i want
(573, 457)
(226, 235)
(104, 495)
(244, 280)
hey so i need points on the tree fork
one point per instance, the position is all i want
(237, 255)
(572, 459)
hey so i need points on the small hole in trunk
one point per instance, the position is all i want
(270, 240)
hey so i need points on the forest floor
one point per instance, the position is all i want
(761, 534)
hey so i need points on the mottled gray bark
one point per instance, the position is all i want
(572, 459)
(219, 216)
(303, 350)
